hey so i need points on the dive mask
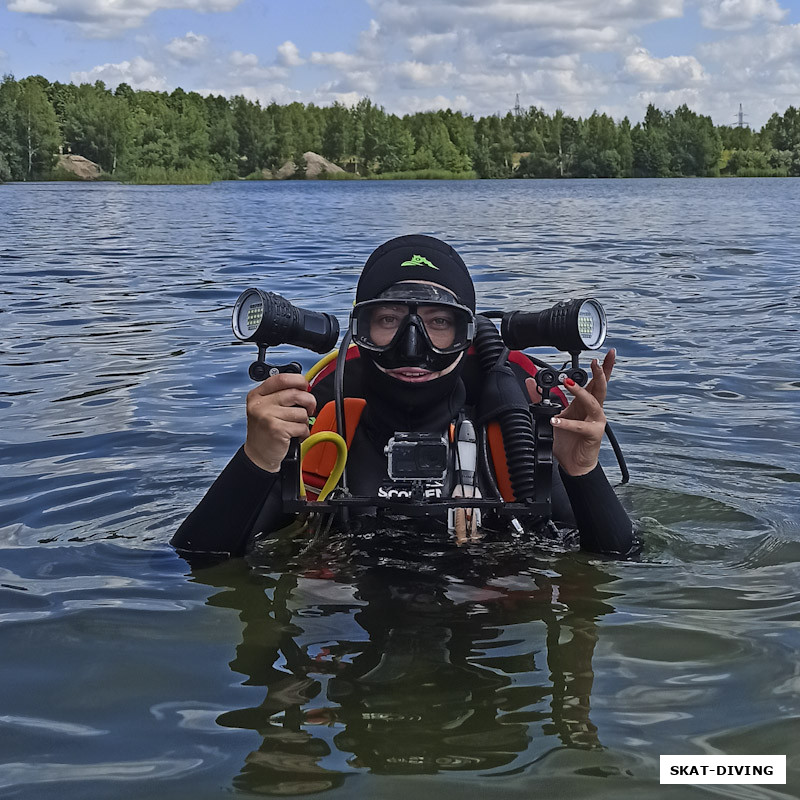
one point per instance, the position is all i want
(411, 316)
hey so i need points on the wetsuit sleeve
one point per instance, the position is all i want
(602, 523)
(225, 518)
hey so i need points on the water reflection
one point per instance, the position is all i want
(398, 672)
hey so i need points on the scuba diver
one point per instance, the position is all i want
(418, 388)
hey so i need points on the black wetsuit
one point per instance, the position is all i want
(245, 500)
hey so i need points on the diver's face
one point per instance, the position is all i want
(391, 320)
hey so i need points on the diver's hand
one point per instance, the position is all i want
(277, 412)
(578, 429)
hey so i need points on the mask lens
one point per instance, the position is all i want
(440, 325)
(383, 322)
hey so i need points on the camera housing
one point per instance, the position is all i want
(417, 457)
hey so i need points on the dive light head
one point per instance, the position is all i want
(571, 326)
(268, 319)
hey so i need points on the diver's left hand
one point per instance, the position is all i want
(578, 429)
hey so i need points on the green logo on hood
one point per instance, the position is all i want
(418, 261)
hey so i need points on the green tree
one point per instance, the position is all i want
(154, 145)
(97, 125)
(357, 139)
(223, 141)
(436, 138)
(10, 147)
(597, 156)
(625, 148)
(651, 156)
(337, 133)
(37, 128)
(694, 143)
(461, 130)
(734, 138)
(371, 120)
(782, 132)
(396, 150)
(495, 150)
(255, 132)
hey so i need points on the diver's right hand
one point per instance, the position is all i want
(277, 412)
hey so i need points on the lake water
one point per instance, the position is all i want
(515, 672)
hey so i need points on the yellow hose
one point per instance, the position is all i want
(320, 365)
(324, 436)
(338, 469)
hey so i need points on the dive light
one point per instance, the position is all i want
(268, 319)
(570, 326)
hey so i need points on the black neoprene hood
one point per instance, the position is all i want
(416, 258)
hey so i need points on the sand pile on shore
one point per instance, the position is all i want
(315, 165)
(80, 167)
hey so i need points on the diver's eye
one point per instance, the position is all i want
(387, 320)
(437, 319)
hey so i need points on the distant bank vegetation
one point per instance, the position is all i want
(183, 137)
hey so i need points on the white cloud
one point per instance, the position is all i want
(738, 14)
(479, 82)
(370, 43)
(415, 73)
(289, 55)
(428, 46)
(139, 73)
(750, 57)
(191, 47)
(490, 50)
(441, 16)
(671, 71)
(240, 59)
(359, 82)
(338, 60)
(107, 17)
(32, 7)
(247, 66)
(762, 71)
(359, 73)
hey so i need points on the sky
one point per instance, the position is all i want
(476, 56)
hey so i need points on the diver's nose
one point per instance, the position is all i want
(412, 345)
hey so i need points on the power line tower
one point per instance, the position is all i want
(740, 123)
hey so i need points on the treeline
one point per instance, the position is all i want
(145, 136)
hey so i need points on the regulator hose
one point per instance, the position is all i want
(513, 414)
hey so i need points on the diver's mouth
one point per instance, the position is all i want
(412, 374)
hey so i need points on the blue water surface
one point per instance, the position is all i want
(507, 670)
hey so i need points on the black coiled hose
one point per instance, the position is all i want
(516, 423)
